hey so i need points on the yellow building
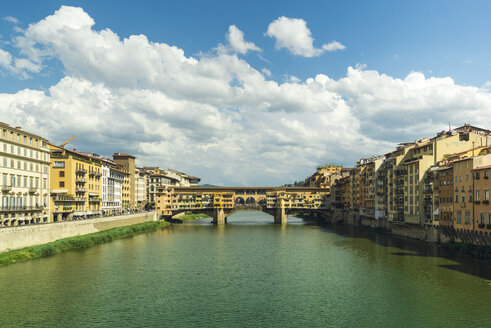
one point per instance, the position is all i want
(325, 176)
(75, 184)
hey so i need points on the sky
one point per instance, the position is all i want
(244, 93)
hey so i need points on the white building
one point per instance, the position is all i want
(141, 184)
(24, 173)
(112, 184)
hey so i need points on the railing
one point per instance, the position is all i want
(80, 180)
(6, 188)
(32, 189)
(79, 189)
(79, 199)
(81, 171)
(61, 198)
(21, 208)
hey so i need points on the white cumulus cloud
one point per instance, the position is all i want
(294, 35)
(237, 43)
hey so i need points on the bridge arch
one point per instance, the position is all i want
(251, 201)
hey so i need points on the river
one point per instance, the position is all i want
(248, 273)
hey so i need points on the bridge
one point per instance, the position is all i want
(220, 202)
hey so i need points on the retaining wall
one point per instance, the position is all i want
(23, 236)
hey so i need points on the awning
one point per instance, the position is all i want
(59, 191)
(79, 213)
(436, 211)
(93, 194)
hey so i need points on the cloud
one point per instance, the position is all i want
(11, 19)
(294, 35)
(333, 46)
(17, 66)
(5, 59)
(237, 43)
(216, 116)
(266, 71)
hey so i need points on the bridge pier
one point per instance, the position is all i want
(280, 216)
(218, 216)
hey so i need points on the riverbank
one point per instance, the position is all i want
(79, 242)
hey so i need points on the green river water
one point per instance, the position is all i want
(248, 273)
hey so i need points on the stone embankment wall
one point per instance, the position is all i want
(30, 235)
(414, 231)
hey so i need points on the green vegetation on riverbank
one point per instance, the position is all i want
(189, 216)
(79, 242)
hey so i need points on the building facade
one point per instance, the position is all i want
(76, 184)
(25, 175)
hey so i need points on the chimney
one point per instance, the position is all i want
(18, 127)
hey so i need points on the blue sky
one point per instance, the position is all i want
(385, 43)
(438, 38)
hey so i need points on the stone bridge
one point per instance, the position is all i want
(220, 202)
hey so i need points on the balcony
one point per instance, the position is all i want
(81, 180)
(94, 199)
(63, 198)
(462, 205)
(32, 189)
(80, 171)
(21, 208)
(80, 189)
(6, 188)
(79, 199)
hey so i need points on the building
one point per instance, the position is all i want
(75, 185)
(444, 192)
(325, 176)
(155, 181)
(482, 208)
(141, 186)
(128, 162)
(112, 187)
(25, 174)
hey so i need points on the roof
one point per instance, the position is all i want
(19, 129)
(412, 162)
(123, 155)
(482, 168)
(471, 128)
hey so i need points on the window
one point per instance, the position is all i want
(478, 198)
(486, 174)
(470, 198)
(467, 176)
(459, 217)
(59, 164)
(482, 218)
(477, 176)
(467, 217)
(486, 194)
(62, 184)
(463, 198)
(62, 174)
